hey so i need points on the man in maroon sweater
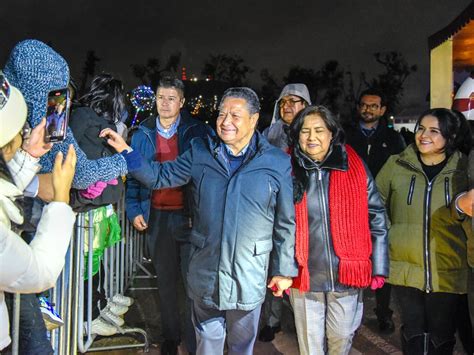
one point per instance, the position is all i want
(166, 213)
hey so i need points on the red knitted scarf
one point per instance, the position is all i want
(349, 224)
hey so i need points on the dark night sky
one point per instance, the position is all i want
(267, 34)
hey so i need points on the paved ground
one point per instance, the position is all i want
(144, 314)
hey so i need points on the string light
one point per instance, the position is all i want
(143, 99)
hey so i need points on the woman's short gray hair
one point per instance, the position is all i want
(250, 97)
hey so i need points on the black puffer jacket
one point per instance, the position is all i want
(376, 149)
(86, 126)
(323, 263)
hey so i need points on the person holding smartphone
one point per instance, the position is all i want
(29, 268)
(39, 72)
(36, 69)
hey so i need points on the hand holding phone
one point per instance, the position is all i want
(35, 144)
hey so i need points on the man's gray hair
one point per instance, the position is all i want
(250, 97)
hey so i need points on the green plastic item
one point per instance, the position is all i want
(107, 232)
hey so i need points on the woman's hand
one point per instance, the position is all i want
(114, 139)
(377, 282)
(63, 173)
(35, 145)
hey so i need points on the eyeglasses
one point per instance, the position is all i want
(290, 102)
(372, 107)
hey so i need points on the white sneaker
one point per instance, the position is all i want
(101, 327)
(122, 300)
(111, 317)
(116, 308)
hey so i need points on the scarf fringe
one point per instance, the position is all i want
(355, 273)
(301, 282)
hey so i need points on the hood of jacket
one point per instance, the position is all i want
(300, 90)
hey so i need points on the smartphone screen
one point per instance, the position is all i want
(57, 115)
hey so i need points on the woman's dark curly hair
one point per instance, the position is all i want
(106, 97)
(453, 127)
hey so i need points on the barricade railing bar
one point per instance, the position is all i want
(135, 269)
(121, 264)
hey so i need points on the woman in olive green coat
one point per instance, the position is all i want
(427, 245)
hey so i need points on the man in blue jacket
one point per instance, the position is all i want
(243, 221)
(166, 212)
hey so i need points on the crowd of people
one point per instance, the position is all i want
(307, 210)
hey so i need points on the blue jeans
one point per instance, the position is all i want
(33, 333)
(33, 339)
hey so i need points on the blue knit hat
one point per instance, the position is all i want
(35, 69)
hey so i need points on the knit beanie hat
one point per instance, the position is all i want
(12, 111)
(35, 69)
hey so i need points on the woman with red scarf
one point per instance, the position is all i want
(341, 234)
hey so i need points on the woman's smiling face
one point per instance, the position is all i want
(315, 137)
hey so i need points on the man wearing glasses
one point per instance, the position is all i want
(374, 141)
(293, 98)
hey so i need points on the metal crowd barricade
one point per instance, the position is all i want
(121, 263)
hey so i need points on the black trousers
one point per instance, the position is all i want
(168, 232)
(432, 313)
(99, 301)
(470, 295)
(382, 302)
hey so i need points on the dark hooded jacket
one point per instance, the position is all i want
(376, 149)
